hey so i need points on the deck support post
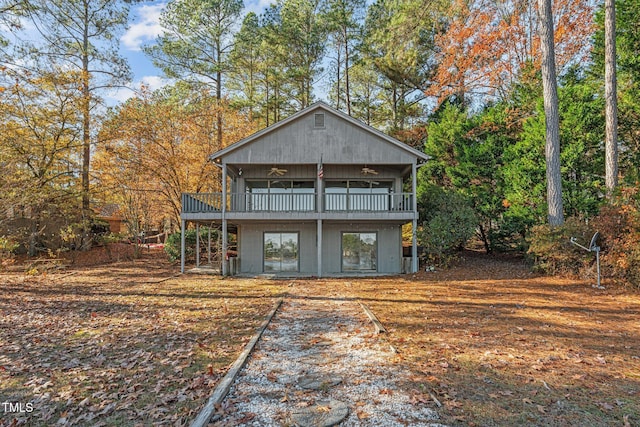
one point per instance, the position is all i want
(209, 246)
(224, 219)
(414, 223)
(319, 210)
(319, 244)
(183, 227)
(225, 264)
(197, 245)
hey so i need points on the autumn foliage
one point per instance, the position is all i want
(156, 146)
(619, 226)
(486, 44)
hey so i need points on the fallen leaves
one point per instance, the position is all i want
(106, 348)
(487, 339)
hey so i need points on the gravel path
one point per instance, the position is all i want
(321, 357)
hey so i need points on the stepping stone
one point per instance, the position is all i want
(318, 382)
(323, 414)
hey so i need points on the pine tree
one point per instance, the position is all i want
(550, 95)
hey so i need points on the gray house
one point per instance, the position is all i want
(319, 193)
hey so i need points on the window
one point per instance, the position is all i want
(318, 120)
(357, 195)
(282, 195)
(359, 252)
(280, 252)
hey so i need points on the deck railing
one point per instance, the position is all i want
(296, 202)
(201, 202)
(368, 202)
(274, 202)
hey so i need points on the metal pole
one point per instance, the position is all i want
(597, 249)
(319, 243)
(592, 248)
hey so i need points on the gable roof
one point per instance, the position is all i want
(319, 105)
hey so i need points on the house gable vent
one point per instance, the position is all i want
(318, 122)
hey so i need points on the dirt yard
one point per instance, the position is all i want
(486, 343)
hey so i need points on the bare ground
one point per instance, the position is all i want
(317, 351)
(484, 343)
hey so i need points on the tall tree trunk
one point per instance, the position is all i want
(86, 115)
(86, 143)
(484, 237)
(251, 89)
(611, 99)
(219, 113)
(267, 98)
(338, 79)
(219, 92)
(346, 71)
(550, 94)
(394, 103)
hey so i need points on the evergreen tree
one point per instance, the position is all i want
(343, 20)
(550, 96)
(196, 43)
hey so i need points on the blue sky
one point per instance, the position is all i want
(144, 27)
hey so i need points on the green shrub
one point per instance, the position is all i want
(172, 245)
(448, 222)
(7, 247)
(510, 232)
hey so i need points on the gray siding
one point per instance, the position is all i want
(338, 142)
(251, 237)
(299, 144)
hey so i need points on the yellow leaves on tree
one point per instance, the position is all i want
(156, 146)
(39, 124)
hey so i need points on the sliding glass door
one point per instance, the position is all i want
(359, 252)
(281, 252)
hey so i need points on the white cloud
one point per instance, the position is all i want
(152, 83)
(257, 6)
(155, 82)
(146, 26)
(146, 23)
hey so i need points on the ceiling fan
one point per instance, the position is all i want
(368, 171)
(276, 172)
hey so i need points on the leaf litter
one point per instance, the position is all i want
(108, 346)
(484, 343)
